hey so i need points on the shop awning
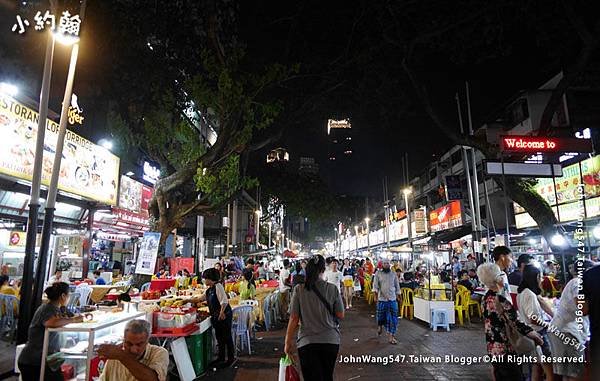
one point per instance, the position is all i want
(446, 236)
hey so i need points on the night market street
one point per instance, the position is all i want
(414, 337)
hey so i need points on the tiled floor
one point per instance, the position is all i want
(7, 358)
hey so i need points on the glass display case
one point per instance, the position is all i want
(79, 341)
(436, 292)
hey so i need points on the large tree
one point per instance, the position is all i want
(218, 82)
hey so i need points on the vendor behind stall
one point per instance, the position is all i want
(48, 315)
(135, 359)
(220, 316)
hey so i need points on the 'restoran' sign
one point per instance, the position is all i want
(528, 144)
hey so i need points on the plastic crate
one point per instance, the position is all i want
(183, 331)
(173, 321)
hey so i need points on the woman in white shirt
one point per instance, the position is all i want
(531, 310)
(570, 336)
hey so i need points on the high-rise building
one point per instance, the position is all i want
(308, 166)
(339, 134)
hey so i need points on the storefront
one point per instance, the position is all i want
(116, 231)
(88, 180)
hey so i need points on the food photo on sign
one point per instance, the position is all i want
(87, 169)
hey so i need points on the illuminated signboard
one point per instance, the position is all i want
(87, 170)
(332, 124)
(151, 173)
(514, 143)
(567, 193)
(446, 217)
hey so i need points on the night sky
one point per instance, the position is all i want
(499, 52)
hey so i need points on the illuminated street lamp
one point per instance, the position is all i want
(356, 235)
(29, 301)
(258, 214)
(368, 234)
(407, 192)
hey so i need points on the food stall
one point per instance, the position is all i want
(78, 342)
(434, 294)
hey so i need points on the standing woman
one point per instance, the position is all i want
(496, 308)
(348, 274)
(48, 315)
(313, 327)
(531, 309)
(220, 316)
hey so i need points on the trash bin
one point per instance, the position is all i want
(196, 345)
(207, 351)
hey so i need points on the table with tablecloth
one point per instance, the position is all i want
(100, 291)
(261, 295)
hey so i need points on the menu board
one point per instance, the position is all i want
(86, 169)
(146, 260)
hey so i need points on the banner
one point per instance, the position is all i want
(146, 260)
(446, 217)
(86, 169)
(420, 227)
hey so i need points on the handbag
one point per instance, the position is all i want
(520, 343)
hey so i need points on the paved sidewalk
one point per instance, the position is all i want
(359, 338)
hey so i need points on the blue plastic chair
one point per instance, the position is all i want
(85, 291)
(145, 287)
(240, 328)
(267, 312)
(439, 318)
(9, 306)
(74, 298)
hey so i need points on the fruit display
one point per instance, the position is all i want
(151, 295)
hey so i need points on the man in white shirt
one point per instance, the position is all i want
(334, 276)
(284, 288)
(503, 258)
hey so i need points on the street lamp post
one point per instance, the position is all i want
(356, 235)
(270, 227)
(53, 187)
(257, 228)
(406, 192)
(25, 310)
(368, 234)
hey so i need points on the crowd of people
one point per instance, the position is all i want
(315, 294)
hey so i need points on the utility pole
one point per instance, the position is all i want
(477, 215)
(468, 176)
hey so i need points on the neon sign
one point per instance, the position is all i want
(515, 143)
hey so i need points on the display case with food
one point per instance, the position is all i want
(174, 320)
(79, 341)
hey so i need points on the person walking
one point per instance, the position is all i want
(348, 274)
(387, 287)
(531, 309)
(334, 276)
(496, 334)
(313, 329)
(48, 315)
(503, 258)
